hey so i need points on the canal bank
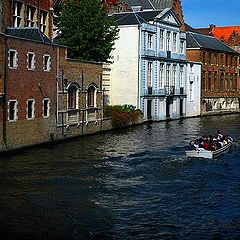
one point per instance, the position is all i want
(59, 134)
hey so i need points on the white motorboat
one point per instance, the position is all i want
(202, 153)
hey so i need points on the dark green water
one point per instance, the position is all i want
(128, 184)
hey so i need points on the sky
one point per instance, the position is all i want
(202, 13)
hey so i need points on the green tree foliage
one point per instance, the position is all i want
(84, 28)
(122, 115)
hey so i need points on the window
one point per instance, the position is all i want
(72, 97)
(12, 111)
(174, 75)
(12, 59)
(235, 82)
(31, 61)
(30, 16)
(226, 83)
(46, 63)
(209, 81)
(30, 108)
(161, 40)
(161, 75)
(168, 41)
(46, 107)
(209, 58)
(181, 47)
(203, 80)
(174, 42)
(150, 39)
(91, 96)
(181, 76)
(215, 81)
(43, 17)
(231, 82)
(149, 74)
(226, 60)
(191, 91)
(221, 59)
(168, 76)
(231, 61)
(222, 82)
(17, 7)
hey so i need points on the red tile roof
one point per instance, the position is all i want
(225, 32)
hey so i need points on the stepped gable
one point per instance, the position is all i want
(30, 33)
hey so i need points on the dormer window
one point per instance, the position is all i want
(30, 16)
(43, 18)
(17, 7)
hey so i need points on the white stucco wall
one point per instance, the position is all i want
(193, 89)
(124, 86)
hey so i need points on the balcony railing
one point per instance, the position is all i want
(166, 91)
(169, 90)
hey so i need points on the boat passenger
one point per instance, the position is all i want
(220, 136)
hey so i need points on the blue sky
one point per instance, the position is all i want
(201, 13)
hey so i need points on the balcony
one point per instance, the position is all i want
(181, 90)
(168, 54)
(169, 90)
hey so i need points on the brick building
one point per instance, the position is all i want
(230, 35)
(27, 13)
(220, 73)
(80, 97)
(28, 87)
(43, 95)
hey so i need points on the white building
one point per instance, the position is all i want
(193, 104)
(149, 67)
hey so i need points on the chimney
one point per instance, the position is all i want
(211, 27)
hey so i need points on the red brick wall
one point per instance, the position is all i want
(23, 84)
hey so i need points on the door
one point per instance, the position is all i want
(149, 109)
(181, 107)
(168, 102)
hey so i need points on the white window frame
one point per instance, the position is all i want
(168, 75)
(46, 63)
(30, 12)
(14, 60)
(17, 18)
(161, 40)
(149, 74)
(174, 75)
(181, 74)
(43, 19)
(150, 41)
(161, 75)
(182, 47)
(48, 108)
(33, 109)
(174, 42)
(31, 66)
(168, 40)
(15, 114)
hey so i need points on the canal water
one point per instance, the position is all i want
(134, 183)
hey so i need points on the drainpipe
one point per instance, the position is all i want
(4, 99)
(139, 67)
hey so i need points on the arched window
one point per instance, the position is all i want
(91, 96)
(72, 97)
